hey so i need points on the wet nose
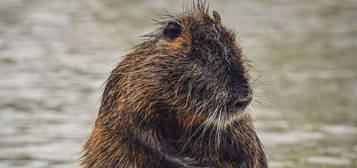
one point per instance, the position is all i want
(243, 102)
(243, 97)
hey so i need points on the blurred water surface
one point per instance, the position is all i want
(55, 55)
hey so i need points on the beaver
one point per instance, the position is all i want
(178, 100)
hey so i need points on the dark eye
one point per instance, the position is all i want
(172, 30)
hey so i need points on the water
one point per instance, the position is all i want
(55, 55)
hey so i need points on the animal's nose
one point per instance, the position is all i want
(243, 97)
(243, 102)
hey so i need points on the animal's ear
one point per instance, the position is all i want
(216, 16)
(172, 30)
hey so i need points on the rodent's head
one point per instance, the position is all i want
(194, 65)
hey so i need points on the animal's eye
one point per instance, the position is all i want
(172, 30)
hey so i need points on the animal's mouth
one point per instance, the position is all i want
(233, 111)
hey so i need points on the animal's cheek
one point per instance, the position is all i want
(179, 43)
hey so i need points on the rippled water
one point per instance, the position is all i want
(55, 55)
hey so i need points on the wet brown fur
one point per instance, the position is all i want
(163, 104)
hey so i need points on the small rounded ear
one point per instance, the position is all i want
(172, 30)
(216, 16)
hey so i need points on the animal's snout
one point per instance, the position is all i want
(242, 97)
(244, 102)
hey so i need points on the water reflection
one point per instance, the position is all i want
(55, 55)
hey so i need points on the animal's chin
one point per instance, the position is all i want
(235, 113)
(225, 118)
